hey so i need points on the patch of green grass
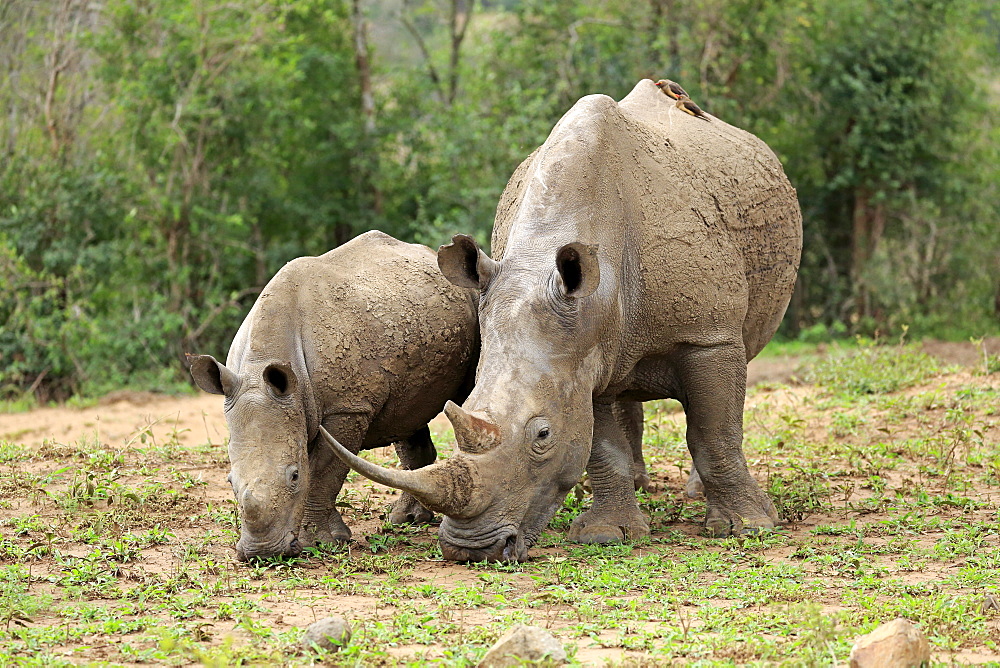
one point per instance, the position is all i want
(874, 369)
(11, 453)
(890, 497)
(799, 492)
(18, 404)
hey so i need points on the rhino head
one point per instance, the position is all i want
(268, 451)
(524, 434)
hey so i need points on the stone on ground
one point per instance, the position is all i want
(897, 644)
(329, 633)
(524, 644)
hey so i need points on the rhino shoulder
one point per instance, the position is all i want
(507, 206)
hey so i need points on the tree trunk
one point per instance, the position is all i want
(868, 226)
(61, 55)
(259, 254)
(664, 22)
(362, 61)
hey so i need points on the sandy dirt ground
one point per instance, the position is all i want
(124, 420)
(119, 417)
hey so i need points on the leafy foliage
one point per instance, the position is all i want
(160, 161)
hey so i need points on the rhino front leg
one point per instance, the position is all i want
(713, 383)
(414, 453)
(615, 515)
(321, 522)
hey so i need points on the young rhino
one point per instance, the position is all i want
(368, 340)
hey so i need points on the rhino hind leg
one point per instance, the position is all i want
(615, 515)
(630, 419)
(694, 488)
(414, 453)
(714, 407)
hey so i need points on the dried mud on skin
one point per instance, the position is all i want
(181, 443)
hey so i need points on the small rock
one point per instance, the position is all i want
(524, 644)
(329, 633)
(897, 644)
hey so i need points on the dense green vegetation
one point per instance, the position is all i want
(160, 160)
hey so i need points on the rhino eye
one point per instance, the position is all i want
(292, 473)
(538, 433)
(537, 429)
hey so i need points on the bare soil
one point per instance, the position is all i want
(198, 419)
(133, 420)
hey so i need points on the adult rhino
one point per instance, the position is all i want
(640, 253)
(368, 340)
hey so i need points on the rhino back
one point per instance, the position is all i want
(382, 334)
(722, 191)
(703, 223)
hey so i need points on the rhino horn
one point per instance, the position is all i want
(474, 434)
(445, 487)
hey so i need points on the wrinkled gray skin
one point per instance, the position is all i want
(368, 340)
(640, 253)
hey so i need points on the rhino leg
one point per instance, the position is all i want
(615, 515)
(714, 384)
(414, 453)
(694, 487)
(321, 522)
(630, 419)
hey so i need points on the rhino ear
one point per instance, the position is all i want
(211, 375)
(579, 270)
(280, 378)
(465, 264)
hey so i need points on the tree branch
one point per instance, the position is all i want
(569, 72)
(422, 45)
(457, 37)
(192, 336)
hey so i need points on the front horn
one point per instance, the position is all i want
(473, 434)
(445, 487)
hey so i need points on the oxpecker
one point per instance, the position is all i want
(672, 88)
(688, 106)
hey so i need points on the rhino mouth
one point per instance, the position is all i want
(502, 544)
(250, 550)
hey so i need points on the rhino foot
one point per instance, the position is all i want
(335, 533)
(407, 510)
(609, 526)
(694, 488)
(643, 482)
(749, 515)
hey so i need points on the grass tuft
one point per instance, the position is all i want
(874, 368)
